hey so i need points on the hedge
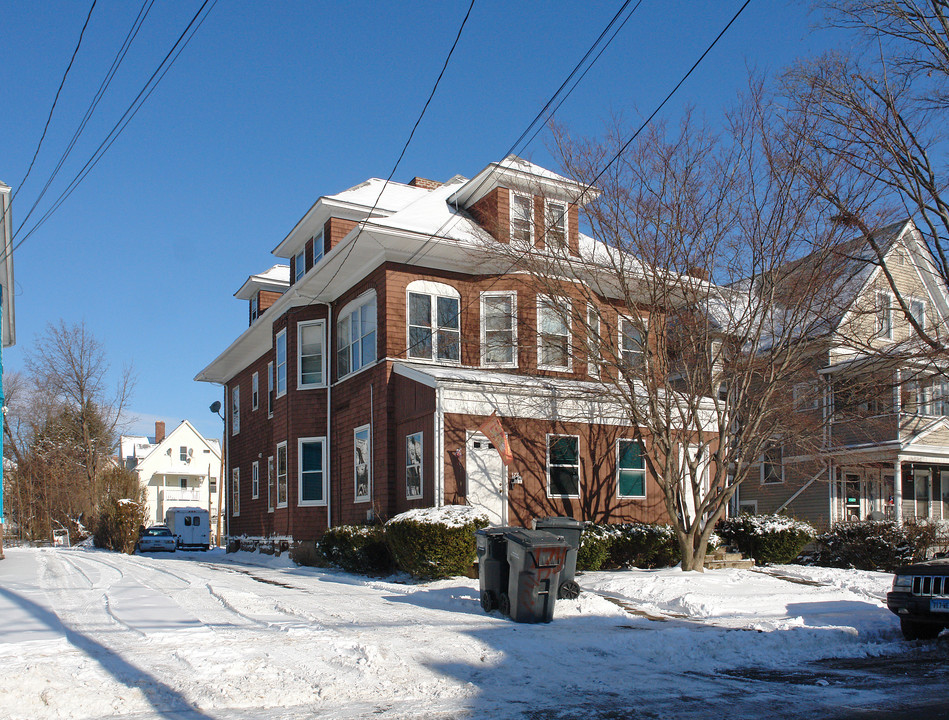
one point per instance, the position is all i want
(874, 545)
(358, 548)
(769, 539)
(627, 545)
(434, 543)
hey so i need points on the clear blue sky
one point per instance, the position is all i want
(272, 105)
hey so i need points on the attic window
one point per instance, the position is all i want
(555, 225)
(884, 315)
(299, 269)
(917, 309)
(254, 308)
(522, 218)
(317, 247)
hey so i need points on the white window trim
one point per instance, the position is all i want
(300, 327)
(318, 242)
(348, 308)
(922, 301)
(255, 480)
(484, 336)
(270, 389)
(761, 469)
(298, 266)
(566, 225)
(553, 302)
(421, 466)
(183, 455)
(254, 308)
(325, 471)
(286, 362)
(356, 499)
(752, 503)
(877, 306)
(434, 290)
(236, 410)
(594, 356)
(530, 199)
(271, 483)
(286, 477)
(642, 332)
(254, 391)
(235, 492)
(645, 471)
(547, 466)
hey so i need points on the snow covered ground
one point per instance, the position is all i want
(92, 634)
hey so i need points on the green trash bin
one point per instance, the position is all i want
(535, 558)
(570, 530)
(493, 569)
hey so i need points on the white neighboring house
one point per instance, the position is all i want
(180, 470)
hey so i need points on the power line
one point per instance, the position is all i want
(402, 154)
(126, 117)
(103, 86)
(49, 118)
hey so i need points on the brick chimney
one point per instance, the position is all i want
(159, 431)
(424, 183)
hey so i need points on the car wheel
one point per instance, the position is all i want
(915, 630)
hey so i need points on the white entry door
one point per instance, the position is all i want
(486, 478)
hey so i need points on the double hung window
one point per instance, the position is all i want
(362, 463)
(299, 265)
(553, 333)
(235, 492)
(254, 391)
(270, 484)
(356, 336)
(413, 466)
(593, 342)
(563, 466)
(281, 363)
(310, 343)
(522, 217)
(555, 224)
(317, 247)
(917, 309)
(236, 410)
(434, 323)
(282, 475)
(631, 343)
(772, 465)
(255, 480)
(884, 316)
(631, 469)
(269, 389)
(499, 329)
(311, 476)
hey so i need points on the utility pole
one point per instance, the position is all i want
(7, 326)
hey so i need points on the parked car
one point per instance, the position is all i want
(920, 598)
(155, 539)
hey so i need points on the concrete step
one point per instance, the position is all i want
(712, 564)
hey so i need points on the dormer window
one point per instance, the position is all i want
(299, 269)
(317, 247)
(555, 224)
(254, 308)
(522, 218)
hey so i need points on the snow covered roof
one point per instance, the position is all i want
(276, 279)
(521, 174)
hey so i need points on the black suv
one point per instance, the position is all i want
(920, 598)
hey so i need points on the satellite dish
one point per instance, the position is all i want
(216, 406)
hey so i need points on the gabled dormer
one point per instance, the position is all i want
(517, 200)
(262, 290)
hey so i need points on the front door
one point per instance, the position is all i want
(486, 478)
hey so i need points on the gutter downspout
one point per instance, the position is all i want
(227, 481)
(439, 432)
(329, 404)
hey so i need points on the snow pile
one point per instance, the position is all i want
(453, 516)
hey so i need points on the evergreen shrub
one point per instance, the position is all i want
(434, 543)
(595, 542)
(875, 545)
(769, 539)
(641, 545)
(117, 525)
(358, 549)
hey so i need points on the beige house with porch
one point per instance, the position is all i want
(880, 394)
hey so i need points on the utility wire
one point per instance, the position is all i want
(405, 147)
(103, 86)
(590, 185)
(127, 116)
(51, 109)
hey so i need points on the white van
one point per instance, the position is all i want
(191, 527)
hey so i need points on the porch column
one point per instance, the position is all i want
(897, 490)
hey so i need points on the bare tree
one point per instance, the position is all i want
(878, 117)
(61, 430)
(694, 309)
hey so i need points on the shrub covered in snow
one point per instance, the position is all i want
(873, 545)
(432, 543)
(117, 525)
(358, 548)
(769, 539)
(628, 545)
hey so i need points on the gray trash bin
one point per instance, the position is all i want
(570, 530)
(536, 559)
(491, 545)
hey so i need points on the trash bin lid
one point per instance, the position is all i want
(565, 523)
(535, 538)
